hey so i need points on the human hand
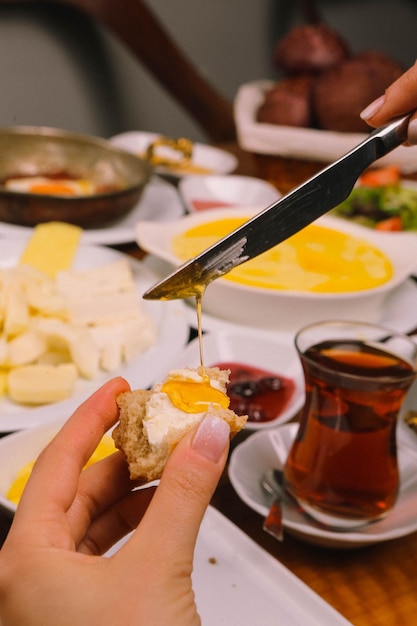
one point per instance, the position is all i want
(399, 99)
(51, 569)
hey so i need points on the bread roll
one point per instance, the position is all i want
(342, 92)
(153, 421)
(288, 102)
(310, 48)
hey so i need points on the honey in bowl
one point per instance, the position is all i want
(317, 259)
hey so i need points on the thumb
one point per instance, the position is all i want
(186, 487)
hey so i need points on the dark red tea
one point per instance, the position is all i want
(343, 460)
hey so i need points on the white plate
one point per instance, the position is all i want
(251, 458)
(207, 192)
(250, 586)
(300, 143)
(215, 160)
(273, 353)
(173, 333)
(237, 582)
(159, 202)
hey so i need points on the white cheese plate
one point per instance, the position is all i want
(141, 372)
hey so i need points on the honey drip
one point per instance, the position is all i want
(199, 308)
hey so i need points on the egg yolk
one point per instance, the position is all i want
(316, 259)
(194, 397)
(57, 189)
(50, 186)
(104, 448)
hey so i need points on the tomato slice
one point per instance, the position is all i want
(380, 177)
(394, 223)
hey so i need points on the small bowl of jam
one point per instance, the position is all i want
(266, 381)
(47, 174)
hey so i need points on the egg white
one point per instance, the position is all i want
(79, 187)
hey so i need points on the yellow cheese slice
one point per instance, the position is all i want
(42, 384)
(52, 247)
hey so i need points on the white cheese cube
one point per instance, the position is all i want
(26, 348)
(77, 339)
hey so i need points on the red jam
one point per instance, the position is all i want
(203, 205)
(257, 393)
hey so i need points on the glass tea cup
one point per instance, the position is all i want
(342, 467)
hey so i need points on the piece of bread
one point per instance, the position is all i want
(150, 425)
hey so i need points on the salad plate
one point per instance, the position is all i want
(254, 456)
(205, 159)
(390, 207)
(172, 335)
(159, 202)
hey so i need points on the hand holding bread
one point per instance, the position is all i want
(67, 518)
(153, 421)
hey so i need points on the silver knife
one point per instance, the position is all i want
(283, 218)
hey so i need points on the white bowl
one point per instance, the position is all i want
(274, 353)
(207, 192)
(286, 310)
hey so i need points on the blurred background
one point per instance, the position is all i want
(58, 68)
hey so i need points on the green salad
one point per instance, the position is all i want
(389, 207)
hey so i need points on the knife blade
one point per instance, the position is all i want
(283, 218)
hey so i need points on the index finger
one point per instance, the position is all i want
(54, 479)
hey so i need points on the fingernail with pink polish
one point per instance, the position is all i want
(211, 438)
(373, 108)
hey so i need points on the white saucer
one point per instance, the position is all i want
(251, 458)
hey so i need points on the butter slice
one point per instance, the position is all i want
(52, 247)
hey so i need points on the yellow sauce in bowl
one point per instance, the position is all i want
(104, 448)
(317, 259)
